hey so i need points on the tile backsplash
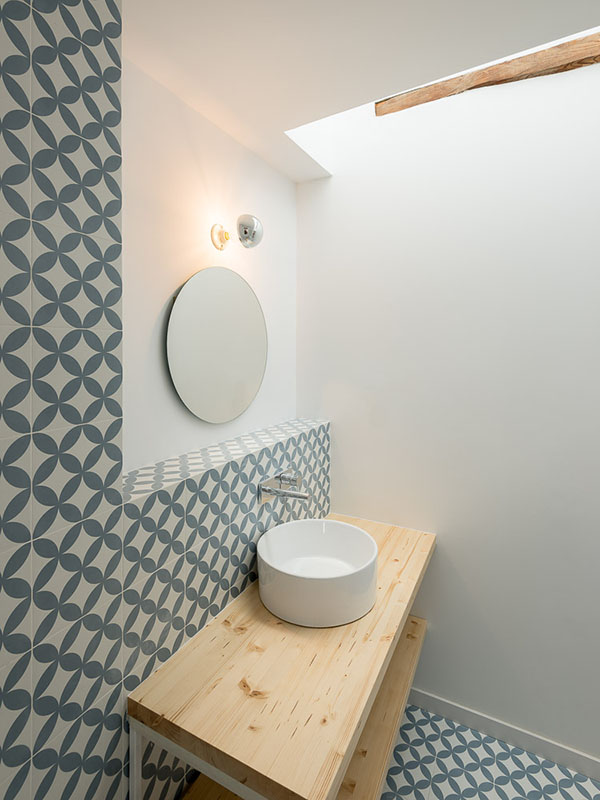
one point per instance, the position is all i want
(189, 547)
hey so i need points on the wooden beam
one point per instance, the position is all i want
(559, 58)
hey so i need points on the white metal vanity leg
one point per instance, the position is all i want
(135, 762)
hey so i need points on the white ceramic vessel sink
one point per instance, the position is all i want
(317, 572)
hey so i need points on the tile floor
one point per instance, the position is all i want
(438, 759)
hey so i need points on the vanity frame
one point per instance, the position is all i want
(281, 712)
(138, 732)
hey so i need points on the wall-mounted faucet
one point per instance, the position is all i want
(280, 486)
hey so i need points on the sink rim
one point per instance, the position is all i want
(333, 522)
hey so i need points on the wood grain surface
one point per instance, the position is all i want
(559, 58)
(276, 706)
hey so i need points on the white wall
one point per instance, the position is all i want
(448, 325)
(181, 174)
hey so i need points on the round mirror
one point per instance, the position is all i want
(217, 344)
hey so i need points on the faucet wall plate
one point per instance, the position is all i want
(281, 485)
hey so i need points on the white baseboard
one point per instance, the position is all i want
(583, 763)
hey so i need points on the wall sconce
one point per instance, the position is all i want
(249, 228)
(219, 236)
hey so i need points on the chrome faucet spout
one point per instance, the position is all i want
(291, 494)
(280, 486)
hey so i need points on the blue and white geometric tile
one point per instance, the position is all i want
(438, 759)
(15, 380)
(75, 571)
(156, 533)
(15, 270)
(76, 279)
(207, 503)
(77, 376)
(73, 178)
(73, 670)
(15, 491)
(78, 90)
(15, 603)
(151, 608)
(75, 471)
(15, 727)
(163, 775)
(14, 109)
(85, 759)
(139, 666)
(60, 592)
(170, 471)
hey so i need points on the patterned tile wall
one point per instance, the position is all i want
(191, 527)
(438, 759)
(93, 594)
(61, 691)
(171, 471)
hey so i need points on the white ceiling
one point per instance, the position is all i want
(259, 68)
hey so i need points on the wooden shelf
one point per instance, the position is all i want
(205, 789)
(367, 770)
(276, 709)
(366, 773)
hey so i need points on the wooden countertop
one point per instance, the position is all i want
(365, 777)
(278, 707)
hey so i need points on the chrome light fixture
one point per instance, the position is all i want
(250, 230)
